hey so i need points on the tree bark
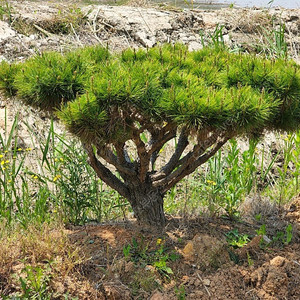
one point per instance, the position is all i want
(147, 204)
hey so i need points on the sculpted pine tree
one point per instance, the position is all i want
(125, 108)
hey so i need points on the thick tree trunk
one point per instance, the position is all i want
(147, 204)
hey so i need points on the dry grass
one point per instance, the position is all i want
(252, 22)
(45, 247)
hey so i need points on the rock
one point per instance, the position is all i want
(194, 46)
(206, 252)
(159, 296)
(6, 31)
(206, 282)
(145, 39)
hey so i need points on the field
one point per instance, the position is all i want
(232, 226)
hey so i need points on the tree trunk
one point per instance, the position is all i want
(147, 204)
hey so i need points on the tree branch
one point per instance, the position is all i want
(105, 174)
(123, 156)
(192, 167)
(204, 142)
(111, 158)
(169, 167)
(143, 156)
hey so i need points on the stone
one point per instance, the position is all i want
(206, 282)
(206, 252)
(194, 46)
(6, 31)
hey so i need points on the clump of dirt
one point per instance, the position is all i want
(278, 278)
(293, 211)
(206, 252)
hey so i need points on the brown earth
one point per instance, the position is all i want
(206, 267)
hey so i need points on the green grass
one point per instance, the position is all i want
(51, 180)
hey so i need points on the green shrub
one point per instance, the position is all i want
(151, 96)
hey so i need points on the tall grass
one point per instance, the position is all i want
(233, 174)
(51, 180)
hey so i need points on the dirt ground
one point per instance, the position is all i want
(206, 266)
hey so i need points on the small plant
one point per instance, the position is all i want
(158, 257)
(262, 230)
(35, 285)
(276, 43)
(180, 292)
(288, 234)
(237, 240)
(5, 11)
(280, 239)
(249, 259)
(214, 39)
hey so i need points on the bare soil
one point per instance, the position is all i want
(206, 267)
(90, 262)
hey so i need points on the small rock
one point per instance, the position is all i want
(6, 31)
(144, 39)
(206, 282)
(150, 268)
(278, 261)
(194, 46)
(197, 282)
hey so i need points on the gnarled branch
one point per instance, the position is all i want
(111, 158)
(105, 174)
(169, 167)
(193, 166)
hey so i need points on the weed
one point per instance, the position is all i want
(145, 281)
(6, 11)
(237, 240)
(276, 45)
(249, 260)
(214, 39)
(280, 239)
(262, 230)
(35, 285)
(140, 253)
(180, 292)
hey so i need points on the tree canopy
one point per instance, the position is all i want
(204, 97)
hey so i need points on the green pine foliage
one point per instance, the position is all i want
(7, 77)
(94, 91)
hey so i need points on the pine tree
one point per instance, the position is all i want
(147, 98)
